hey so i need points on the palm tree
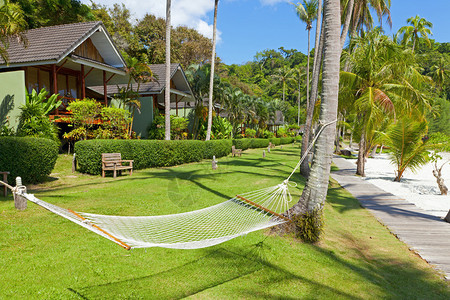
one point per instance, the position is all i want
(315, 191)
(383, 80)
(362, 17)
(440, 72)
(307, 12)
(12, 24)
(211, 80)
(408, 147)
(167, 91)
(411, 33)
(284, 76)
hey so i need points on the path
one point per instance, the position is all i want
(427, 235)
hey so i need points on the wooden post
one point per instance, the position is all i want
(447, 218)
(5, 180)
(264, 153)
(105, 89)
(214, 163)
(268, 149)
(83, 83)
(74, 163)
(55, 79)
(20, 202)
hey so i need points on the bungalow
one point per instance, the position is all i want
(76, 60)
(152, 95)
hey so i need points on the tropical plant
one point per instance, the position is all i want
(284, 76)
(440, 72)
(12, 24)
(84, 117)
(410, 33)
(408, 144)
(383, 79)
(34, 120)
(221, 128)
(116, 122)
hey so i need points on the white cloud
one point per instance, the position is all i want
(197, 14)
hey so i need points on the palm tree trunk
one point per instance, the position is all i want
(348, 18)
(361, 156)
(316, 188)
(167, 91)
(304, 167)
(211, 79)
(307, 69)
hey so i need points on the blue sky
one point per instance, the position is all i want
(248, 26)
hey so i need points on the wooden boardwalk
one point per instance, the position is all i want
(427, 235)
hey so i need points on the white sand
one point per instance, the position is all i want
(419, 188)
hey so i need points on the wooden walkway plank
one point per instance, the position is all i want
(425, 234)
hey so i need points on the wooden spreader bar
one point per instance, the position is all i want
(263, 208)
(105, 232)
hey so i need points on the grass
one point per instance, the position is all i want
(47, 257)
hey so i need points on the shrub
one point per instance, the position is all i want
(218, 148)
(250, 133)
(33, 159)
(309, 225)
(243, 144)
(275, 141)
(286, 140)
(259, 143)
(147, 153)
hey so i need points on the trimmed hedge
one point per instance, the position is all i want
(147, 153)
(33, 159)
(246, 143)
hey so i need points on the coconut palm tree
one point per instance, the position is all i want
(211, 80)
(167, 91)
(307, 12)
(383, 80)
(409, 148)
(439, 72)
(315, 191)
(12, 24)
(419, 26)
(284, 76)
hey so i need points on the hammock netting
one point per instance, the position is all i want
(191, 230)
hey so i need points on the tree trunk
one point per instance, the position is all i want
(447, 218)
(307, 69)
(304, 167)
(361, 156)
(437, 172)
(316, 187)
(348, 18)
(167, 91)
(381, 149)
(374, 151)
(211, 79)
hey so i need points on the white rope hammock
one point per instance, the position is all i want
(206, 227)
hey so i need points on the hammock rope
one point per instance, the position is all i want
(206, 227)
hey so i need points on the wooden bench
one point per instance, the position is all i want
(113, 162)
(5, 179)
(235, 151)
(271, 145)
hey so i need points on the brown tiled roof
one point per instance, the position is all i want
(154, 87)
(49, 43)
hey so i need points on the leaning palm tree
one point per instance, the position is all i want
(211, 80)
(313, 196)
(12, 24)
(383, 80)
(419, 26)
(167, 91)
(307, 12)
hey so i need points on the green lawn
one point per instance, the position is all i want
(45, 256)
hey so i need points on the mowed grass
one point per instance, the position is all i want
(44, 256)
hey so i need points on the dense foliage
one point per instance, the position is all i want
(147, 153)
(33, 159)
